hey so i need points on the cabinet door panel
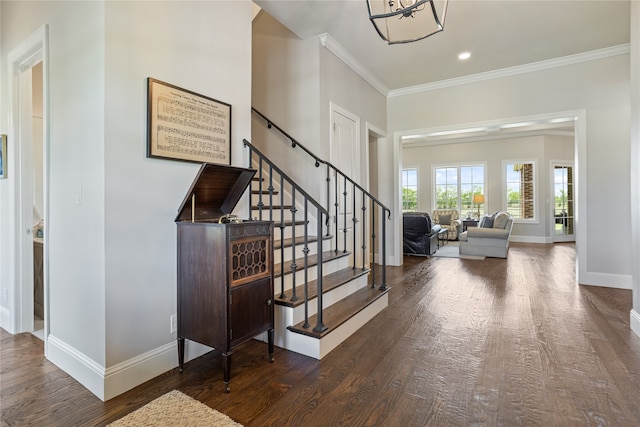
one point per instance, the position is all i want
(251, 310)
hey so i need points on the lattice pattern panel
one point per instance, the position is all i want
(249, 260)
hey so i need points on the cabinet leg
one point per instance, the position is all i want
(226, 369)
(270, 339)
(180, 354)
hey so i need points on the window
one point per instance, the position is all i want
(409, 190)
(455, 186)
(447, 188)
(520, 189)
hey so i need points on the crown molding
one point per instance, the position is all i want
(622, 49)
(334, 47)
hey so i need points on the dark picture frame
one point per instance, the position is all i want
(3, 156)
(184, 125)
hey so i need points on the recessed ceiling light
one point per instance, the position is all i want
(464, 56)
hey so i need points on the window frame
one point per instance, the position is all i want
(536, 188)
(458, 166)
(404, 169)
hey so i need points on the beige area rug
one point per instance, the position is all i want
(175, 409)
(452, 250)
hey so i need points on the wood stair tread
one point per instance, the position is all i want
(265, 207)
(338, 313)
(288, 223)
(329, 282)
(311, 261)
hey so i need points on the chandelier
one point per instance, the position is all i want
(405, 21)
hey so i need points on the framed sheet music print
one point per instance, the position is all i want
(184, 125)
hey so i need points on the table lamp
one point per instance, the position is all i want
(478, 199)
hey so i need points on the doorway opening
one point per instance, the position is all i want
(574, 121)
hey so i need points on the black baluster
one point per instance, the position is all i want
(271, 189)
(294, 297)
(320, 326)
(355, 223)
(373, 244)
(344, 215)
(260, 202)
(336, 203)
(305, 251)
(282, 295)
(364, 230)
(383, 286)
(328, 197)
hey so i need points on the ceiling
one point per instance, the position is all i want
(499, 34)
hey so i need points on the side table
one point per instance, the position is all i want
(442, 237)
(466, 223)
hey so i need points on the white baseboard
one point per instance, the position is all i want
(113, 381)
(82, 368)
(529, 239)
(5, 320)
(135, 371)
(606, 280)
(635, 322)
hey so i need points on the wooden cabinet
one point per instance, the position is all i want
(225, 271)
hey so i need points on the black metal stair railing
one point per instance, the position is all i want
(340, 191)
(267, 213)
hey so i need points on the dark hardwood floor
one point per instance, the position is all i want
(463, 343)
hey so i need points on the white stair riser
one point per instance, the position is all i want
(275, 215)
(328, 299)
(318, 348)
(327, 268)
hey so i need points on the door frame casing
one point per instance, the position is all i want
(21, 59)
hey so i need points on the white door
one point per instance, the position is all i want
(345, 155)
(563, 222)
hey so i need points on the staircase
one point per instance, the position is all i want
(322, 296)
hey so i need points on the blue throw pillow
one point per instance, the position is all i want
(488, 222)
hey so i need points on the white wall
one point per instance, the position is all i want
(142, 194)
(601, 87)
(542, 149)
(286, 89)
(635, 162)
(294, 82)
(75, 233)
(113, 258)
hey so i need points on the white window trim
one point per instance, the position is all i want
(417, 169)
(457, 166)
(536, 190)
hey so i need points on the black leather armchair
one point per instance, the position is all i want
(419, 235)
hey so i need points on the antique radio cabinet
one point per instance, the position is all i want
(225, 267)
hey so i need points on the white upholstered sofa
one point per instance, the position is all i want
(490, 238)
